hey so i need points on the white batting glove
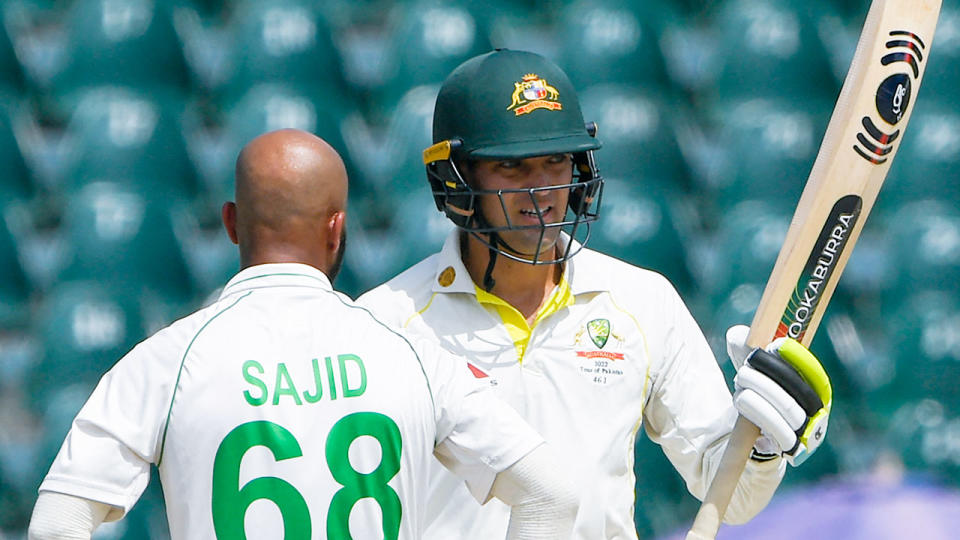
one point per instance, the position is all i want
(785, 391)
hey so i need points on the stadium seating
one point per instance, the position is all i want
(85, 326)
(637, 129)
(639, 224)
(742, 249)
(122, 134)
(767, 47)
(614, 41)
(215, 143)
(514, 25)
(927, 234)
(120, 42)
(924, 333)
(419, 227)
(116, 234)
(398, 167)
(374, 253)
(120, 122)
(14, 288)
(929, 154)
(662, 499)
(210, 257)
(427, 39)
(17, 182)
(11, 74)
(940, 77)
(759, 148)
(285, 41)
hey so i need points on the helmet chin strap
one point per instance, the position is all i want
(488, 281)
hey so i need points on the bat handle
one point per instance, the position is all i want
(707, 522)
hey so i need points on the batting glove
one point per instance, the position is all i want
(785, 391)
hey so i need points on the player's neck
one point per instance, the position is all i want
(524, 286)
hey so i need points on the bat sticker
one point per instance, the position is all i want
(819, 267)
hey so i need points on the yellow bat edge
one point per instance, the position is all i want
(861, 140)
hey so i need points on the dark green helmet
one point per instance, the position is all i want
(509, 104)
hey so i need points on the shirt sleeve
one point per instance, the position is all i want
(690, 414)
(478, 435)
(114, 438)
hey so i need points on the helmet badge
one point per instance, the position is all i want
(533, 93)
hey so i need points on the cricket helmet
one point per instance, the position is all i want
(509, 104)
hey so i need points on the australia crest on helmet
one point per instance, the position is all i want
(533, 92)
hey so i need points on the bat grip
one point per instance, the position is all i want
(710, 515)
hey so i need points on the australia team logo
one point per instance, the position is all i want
(533, 93)
(599, 331)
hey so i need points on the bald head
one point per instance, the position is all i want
(291, 196)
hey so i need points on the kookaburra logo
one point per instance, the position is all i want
(532, 93)
(898, 100)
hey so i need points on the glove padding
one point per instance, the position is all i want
(785, 391)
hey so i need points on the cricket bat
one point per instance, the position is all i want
(861, 140)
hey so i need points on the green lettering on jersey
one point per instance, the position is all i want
(229, 501)
(347, 391)
(283, 376)
(357, 485)
(252, 379)
(313, 398)
(333, 386)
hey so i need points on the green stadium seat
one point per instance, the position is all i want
(282, 41)
(36, 236)
(210, 256)
(85, 327)
(768, 48)
(374, 253)
(14, 287)
(637, 129)
(428, 39)
(117, 133)
(742, 250)
(520, 26)
(17, 182)
(614, 41)
(663, 503)
(116, 234)
(756, 148)
(398, 168)
(941, 77)
(927, 234)
(121, 42)
(639, 223)
(265, 107)
(929, 155)
(11, 73)
(924, 334)
(418, 226)
(14, 506)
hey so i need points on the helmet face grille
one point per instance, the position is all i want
(458, 200)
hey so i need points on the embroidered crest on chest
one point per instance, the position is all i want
(599, 331)
(599, 364)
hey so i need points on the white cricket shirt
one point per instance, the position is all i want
(615, 347)
(284, 406)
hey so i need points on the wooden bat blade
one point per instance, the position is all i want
(861, 140)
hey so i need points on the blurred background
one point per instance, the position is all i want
(120, 121)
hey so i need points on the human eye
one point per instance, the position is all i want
(559, 158)
(509, 164)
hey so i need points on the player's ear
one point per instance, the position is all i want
(335, 227)
(228, 213)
